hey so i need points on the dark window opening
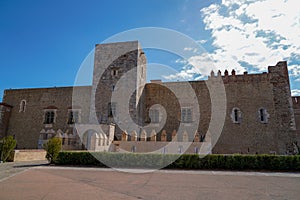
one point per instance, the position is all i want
(49, 117)
(73, 117)
(262, 116)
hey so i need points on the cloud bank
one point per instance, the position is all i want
(248, 35)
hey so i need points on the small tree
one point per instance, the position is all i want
(53, 147)
(7, 145)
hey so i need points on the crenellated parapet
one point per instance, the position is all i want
(162, 136)
(277, 73)
(245, 77)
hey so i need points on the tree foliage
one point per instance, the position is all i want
(53, 147)
(7, 145)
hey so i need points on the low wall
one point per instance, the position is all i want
(28, 155)
(163, 147)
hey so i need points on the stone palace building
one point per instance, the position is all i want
(260, 115)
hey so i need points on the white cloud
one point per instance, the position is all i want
(255, 33)
(296, 92)
(294, 71)
(201, 41)
(180, 76)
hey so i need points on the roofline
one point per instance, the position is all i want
(47, 88)
(5, 104)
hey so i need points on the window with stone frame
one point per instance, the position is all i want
(114, 72)
(236, 115)
(73, 116)
(50, 116)
(186, 115)
(263, 115)
(154, 115)
(22, 106)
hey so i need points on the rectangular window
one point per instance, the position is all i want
(73, 117)
(154, 116)
(186, 115)
(49, 117)
(263, 115)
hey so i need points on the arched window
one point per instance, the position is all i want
(236, 115)
(263, 115)
(22, 106)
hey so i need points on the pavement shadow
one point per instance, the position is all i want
(31, 165)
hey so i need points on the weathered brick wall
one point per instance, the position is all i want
(249, 93)
(122, 57)
(248, 137)
(26, 126)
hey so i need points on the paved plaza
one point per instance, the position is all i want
(42, 182)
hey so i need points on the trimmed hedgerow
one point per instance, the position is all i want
(216, 162)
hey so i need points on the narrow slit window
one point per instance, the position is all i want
(263, 115)
(236, 116)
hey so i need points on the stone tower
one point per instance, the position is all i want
(112, 62)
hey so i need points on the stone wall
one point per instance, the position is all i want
(28, 155)
(249, 93)
(266, 122)
(159, 147)
(28, 126)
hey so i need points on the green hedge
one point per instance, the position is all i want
(222, 162)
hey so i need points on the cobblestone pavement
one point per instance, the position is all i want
(46, 182)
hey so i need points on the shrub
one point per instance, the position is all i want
(7, 145)
(172, 161)
(53, 147)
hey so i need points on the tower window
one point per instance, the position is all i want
(236, 115)
(263, 115)
(114, 72)
(22, 106)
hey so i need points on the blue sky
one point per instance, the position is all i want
(43, 43)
